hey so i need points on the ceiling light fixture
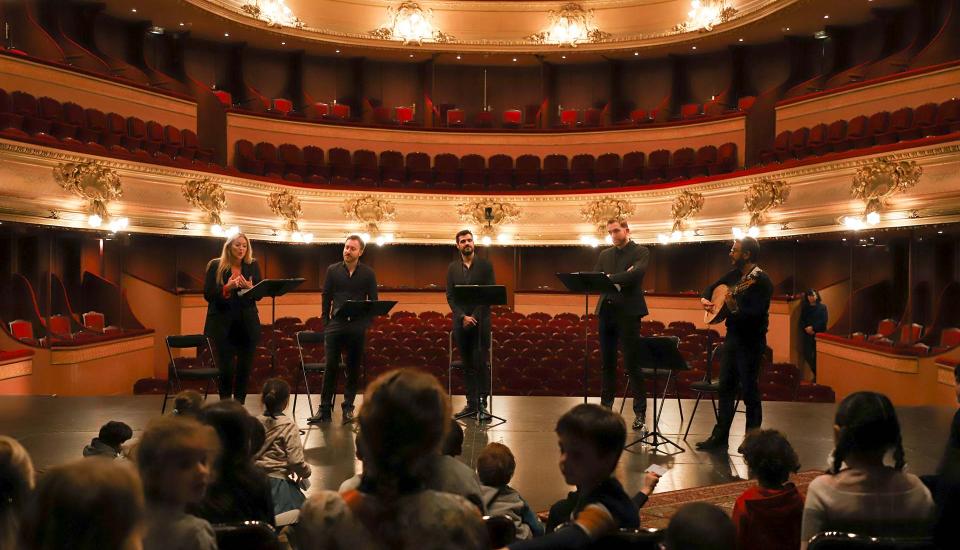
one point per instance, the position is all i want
(410, 24)
(569, 26)
(275, 13)
(704, 15)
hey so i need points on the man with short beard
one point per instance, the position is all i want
(471, 270)
(746, 340)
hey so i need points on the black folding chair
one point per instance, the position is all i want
(710, 386)
(308, 337)
(175, 374)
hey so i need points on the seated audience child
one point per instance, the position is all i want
(175, 456)
(85, 505)
(240, 491)
(701, 526)
(281, 455)
(861, 494)
(946, 491)
(188, 403)
(591, 440)
(16, 485)
(769, 515)
(449, 475)
(495, 466)
(109, 443)
(403, 420)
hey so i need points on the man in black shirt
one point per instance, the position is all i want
(346, 280)
(619, 314)
(471, 270)
(745, 342)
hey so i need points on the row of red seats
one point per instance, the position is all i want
(61, 329)
(473, 172)
(72, 125)
(880, 128)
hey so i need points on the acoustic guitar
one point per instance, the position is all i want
(718, 310)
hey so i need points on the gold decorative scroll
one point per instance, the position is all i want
(369, 211)
(876, 183)
(599, 211)
(684, 206)
(92, 182)
(763, 196)
(569, 26)
(287, 206)
(206, 196)
(499, 213)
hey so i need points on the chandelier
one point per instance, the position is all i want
(411, 24)
(570, 26)
(704, 15)
(276, 13)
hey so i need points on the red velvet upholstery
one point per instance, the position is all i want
(321, 109)
(798, 142)
(94, 320)
(631, 172)
(837, 136)
(60, 326)
(245, 158)
(455, 117)
(341, 111)
(8, 117)
(857, 132)
(281, 106)
(581, 171)
(25, 105)
(225, 98)
(267, 154)
(817, 141)
(592, 118)
(901, 127)
(392, 171)
(950, 337)
(21, 330)
(382, 115)
(173, 142)
(419, 174)
(683, 159)
(569, 117)
(136, 132)
(153, 141)
(527, 173)
(316, 170)
(293, 164)
(878, 124)
(948, 117)
(69, 123)
(404, 114)
(512, 118)
(472, 172)
(746, 102)
(924, 120)
(656, 167)
(639, 116)
(500, 173)
(341, 166)
(690, 110)
(555, 173)
(367, 171)
(705, 161)
(607, 170)
(446, 171)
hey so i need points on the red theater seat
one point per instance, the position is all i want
(341, 166)
(382, 115)
(446, 171)
(419, 174)
(639, 116)
(746, 102)
(924, 122)
(404, 114)
(948, 117)
(25, 105)
(472, 172)
(581, 171)
(656, 167)
(631, 172)
(293, 164)
(592, 118)
(683, 159)
(455, 118)
(94, 126)
(245, 158)
(136, 132)
(392, 171)
(70, 122)
(316, 170)
(153, 141)
(781, 146)
(341, 111)
(8, 117)
(484, 119)
(569, 117)
(817, 141)
(366, 167)
(224, 97)
(267, 154)
(837, 136)
(22, 330)
(901, 127)
(50, 110)
(512, 118)
(527, 173)
(705, 160)
(281, 106)
(857, 133)
(798, 142)
(878, 124)
(607, 170)
(555, 173)
(500, 173)
(690, 110)
(173, 143)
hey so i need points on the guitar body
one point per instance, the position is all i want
(718, 311)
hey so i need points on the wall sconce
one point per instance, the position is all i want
(489, 215)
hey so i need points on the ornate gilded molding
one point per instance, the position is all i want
(286, 205)
(877, 182)
(207, 196)
(599, 211)
(275, 13)
(410, 24)
(763, 196)
(685, 206)
(371, 211)
(92, 182)
(704, 15)
(488, 214)
(569, 26)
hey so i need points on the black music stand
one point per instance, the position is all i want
(362, 311)
(271, 288)
(587, 282)
(664, 353)
(472, 296)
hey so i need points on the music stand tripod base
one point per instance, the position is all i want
(662, 352)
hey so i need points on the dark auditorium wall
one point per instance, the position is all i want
(393, 84)
(646, 83)
(507, 87)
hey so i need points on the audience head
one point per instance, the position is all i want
(700, 526)
(174, 457)
(591, 440)
(235, 431)
(85, 505)
(770, 457)
(812, 296)
(275, 396)
(188, 403)
(403, 421)
(16, 483)
(495, 465)
(115, 434)
(866, 425)
(453, 442)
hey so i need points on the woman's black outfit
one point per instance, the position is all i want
(233, 325)
(812, 316)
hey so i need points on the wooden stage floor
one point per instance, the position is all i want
(55, 429)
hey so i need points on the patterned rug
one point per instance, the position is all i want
(661, 507)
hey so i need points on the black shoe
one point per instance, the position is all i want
(468, 410)
(347, 415)
(483, 414)
(639, 426)
(712, 444)
(321, 417)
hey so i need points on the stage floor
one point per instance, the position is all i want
(55, 429)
